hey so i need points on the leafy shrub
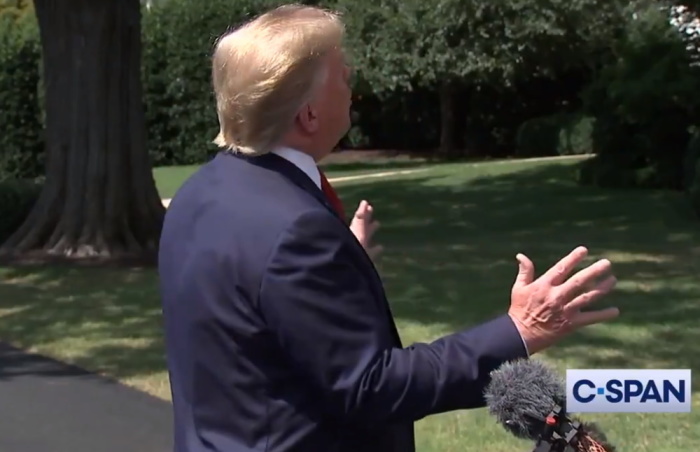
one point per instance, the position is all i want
(694, 190)
(178, 39)
(644, 103)
(21, 126)
(559, 134)
(691, 160)
(17, 197)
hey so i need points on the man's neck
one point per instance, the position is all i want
(316, 152)
(301, 160)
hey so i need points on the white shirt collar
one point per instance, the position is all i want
(303, 161)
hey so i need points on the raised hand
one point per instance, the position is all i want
(548, 308)
(363, 225)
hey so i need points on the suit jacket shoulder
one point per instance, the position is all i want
(278, 334)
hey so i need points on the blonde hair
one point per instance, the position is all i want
(265, 71)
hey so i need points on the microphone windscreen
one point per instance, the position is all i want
(522, 393)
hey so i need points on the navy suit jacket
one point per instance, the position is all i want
(279, 335)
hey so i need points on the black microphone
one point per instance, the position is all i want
(528, 399)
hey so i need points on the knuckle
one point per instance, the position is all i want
(555, 297)
(578, 281)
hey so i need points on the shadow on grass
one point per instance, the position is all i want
(107, 320)
(451, 247)
(450, 238)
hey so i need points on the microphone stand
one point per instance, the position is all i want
(559, 434)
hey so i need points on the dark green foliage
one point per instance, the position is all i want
(21, 127)
(694, 191)
(458, 49)
(691, 169)
(691, 160)
(506, 62)
(179, 37)
(16, 8)
(17, 197)
(512, 69)
(558, 134)
(644, 102)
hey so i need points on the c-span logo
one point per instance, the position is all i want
(628, 390)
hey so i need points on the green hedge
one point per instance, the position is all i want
(691, 160)
(691, 169)
(559, 134)
(644, 102)
(178, 38)
(21, 125)
(17, 197)
(181, 118)
(694, 190)
(631, 109)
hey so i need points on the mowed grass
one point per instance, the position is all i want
(169, 178)
(451, 235)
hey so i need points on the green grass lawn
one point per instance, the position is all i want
(451, 234)
(169, 178)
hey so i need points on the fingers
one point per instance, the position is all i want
(592, 317)
(364, 227)
(558, 273)
(526, 271)
(590, 296)
(583, 278)
(364, 210)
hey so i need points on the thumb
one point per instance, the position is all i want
(526, 271)
(362, 209)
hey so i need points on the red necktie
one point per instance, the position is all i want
(332, 196)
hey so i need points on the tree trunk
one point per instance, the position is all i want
(447, 119)
(99, 198)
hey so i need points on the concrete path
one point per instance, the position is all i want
(47, 406)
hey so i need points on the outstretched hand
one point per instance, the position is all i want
(548, 308)
(363, 226)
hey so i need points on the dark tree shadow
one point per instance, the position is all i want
(450, 241)
(450, 256)
(106, 320)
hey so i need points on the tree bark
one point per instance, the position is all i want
(99, 198)
(447, 94)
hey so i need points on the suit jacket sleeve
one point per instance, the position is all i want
(318, 302)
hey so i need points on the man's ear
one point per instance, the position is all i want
(308, 119)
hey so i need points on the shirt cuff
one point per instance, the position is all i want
(527, 352)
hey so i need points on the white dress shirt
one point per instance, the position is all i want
(301, 160)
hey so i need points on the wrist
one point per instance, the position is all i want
(533, 342)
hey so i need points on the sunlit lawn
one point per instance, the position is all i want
(451, 234)
(169, 178)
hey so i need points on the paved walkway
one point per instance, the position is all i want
(47, 406)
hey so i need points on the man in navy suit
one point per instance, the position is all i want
(279, 335)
